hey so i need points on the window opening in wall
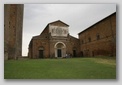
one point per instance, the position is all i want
(98, 36)
(82, 42)
(89, 39)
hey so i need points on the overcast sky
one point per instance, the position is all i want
(77, 16)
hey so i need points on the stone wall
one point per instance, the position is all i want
(13, 20)
(49, 43)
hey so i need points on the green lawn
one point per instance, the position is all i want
(72, 68)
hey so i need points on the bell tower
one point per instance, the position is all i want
(13, 22)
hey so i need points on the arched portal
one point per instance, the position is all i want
(60, 49)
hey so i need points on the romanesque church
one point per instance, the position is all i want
(54, 42)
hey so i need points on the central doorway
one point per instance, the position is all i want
(59, 53)
(60, 49)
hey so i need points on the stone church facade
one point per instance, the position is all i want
(13, 22)
(100, 38)
(54, 42)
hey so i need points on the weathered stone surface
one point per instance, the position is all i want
(13, 20)
(51, 42)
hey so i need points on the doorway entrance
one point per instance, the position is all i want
(60, 49)
(74, 53)
(41, 52)
(59, 53)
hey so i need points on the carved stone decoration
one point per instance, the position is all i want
(59, 31)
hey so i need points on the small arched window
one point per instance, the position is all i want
(89, 39)
(98, 36)
(82, 41)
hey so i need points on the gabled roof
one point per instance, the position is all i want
(96, 23)
(53, 23)
(73, 37)
(58, 21)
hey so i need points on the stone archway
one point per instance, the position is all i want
(60, 50)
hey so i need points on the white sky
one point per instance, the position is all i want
(77, 16)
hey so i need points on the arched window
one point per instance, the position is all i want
(89, 39)
(98, 36)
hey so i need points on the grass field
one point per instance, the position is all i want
(72, 68)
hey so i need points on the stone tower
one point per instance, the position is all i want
(13, 22)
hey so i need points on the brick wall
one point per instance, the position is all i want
(48, 43)
(99, 39)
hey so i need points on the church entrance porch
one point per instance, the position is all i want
(60, 49)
